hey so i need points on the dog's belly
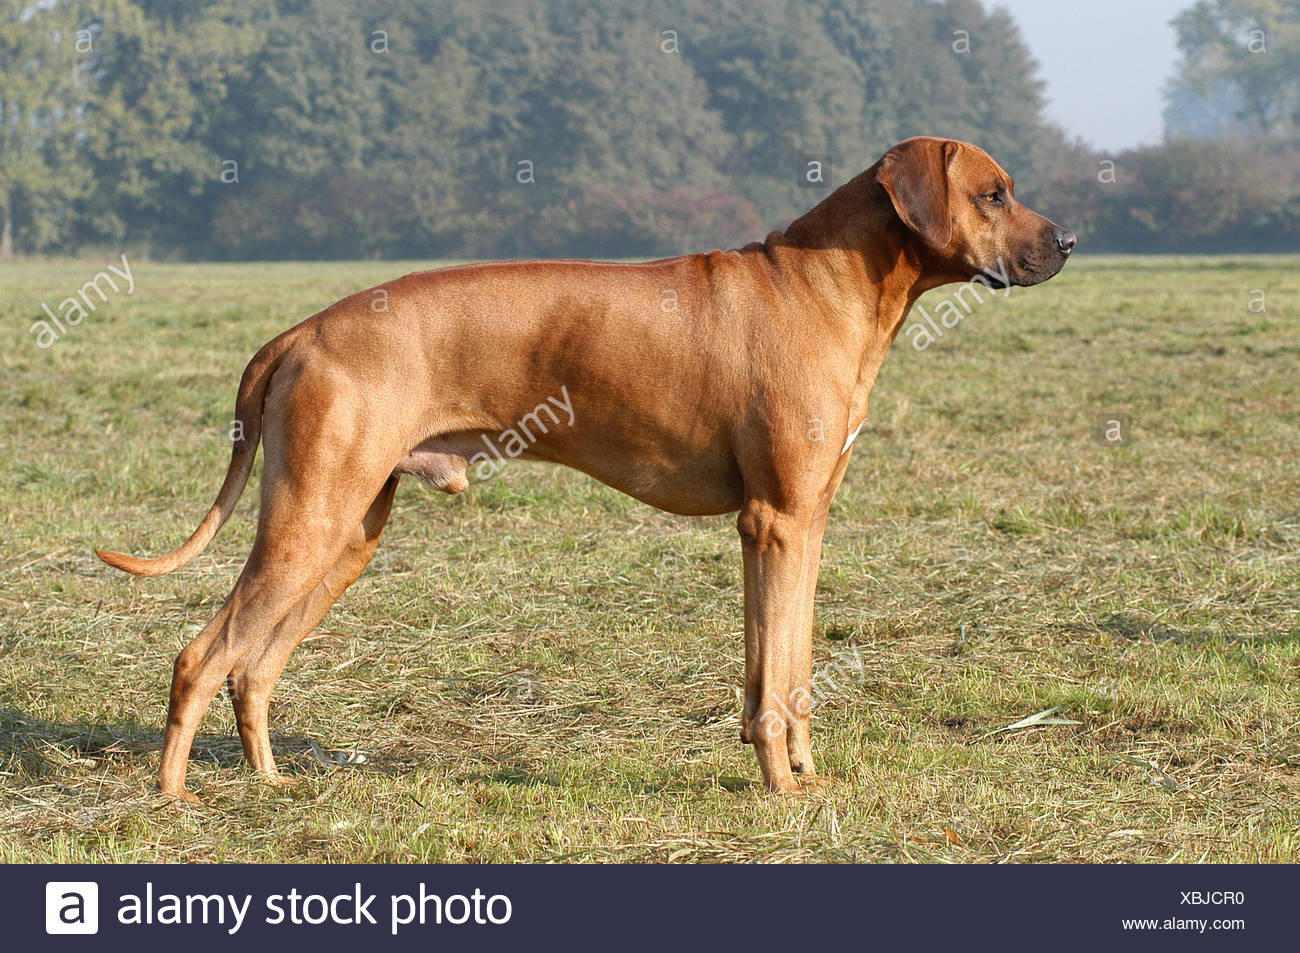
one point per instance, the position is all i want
(706, 484)
(701, 486)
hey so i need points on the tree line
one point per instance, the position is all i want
(461, 128)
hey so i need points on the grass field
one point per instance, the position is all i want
(541, 669)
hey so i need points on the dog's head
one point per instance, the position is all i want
(958, 203)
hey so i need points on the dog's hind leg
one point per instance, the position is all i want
(255, 675)
(310, 511)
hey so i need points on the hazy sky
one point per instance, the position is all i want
(1105, 63)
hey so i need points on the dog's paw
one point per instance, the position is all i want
(180, 796)
(801, 763)
(785, 787)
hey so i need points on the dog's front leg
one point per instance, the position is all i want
(800, 698)
(774, 542)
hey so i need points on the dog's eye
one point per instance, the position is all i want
(992, 198)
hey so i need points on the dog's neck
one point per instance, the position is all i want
(854, 251)
(856, 234)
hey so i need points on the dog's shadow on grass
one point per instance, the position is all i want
(1134, 629)
(40, 748)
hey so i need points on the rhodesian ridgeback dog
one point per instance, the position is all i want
(706, 384)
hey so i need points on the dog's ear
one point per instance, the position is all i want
(915, 174)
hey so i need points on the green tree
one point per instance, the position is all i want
(616, 127)
(1186, 194)
(292, 128)
(161, 121)
(44, 55)
(1248, 50)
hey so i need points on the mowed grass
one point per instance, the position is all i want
(542, 669)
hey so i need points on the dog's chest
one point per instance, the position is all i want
(853, 435)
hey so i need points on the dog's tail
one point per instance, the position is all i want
(247, 431)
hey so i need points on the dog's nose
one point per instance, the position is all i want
(1065, 240)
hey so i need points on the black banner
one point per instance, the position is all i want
(193, 908)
